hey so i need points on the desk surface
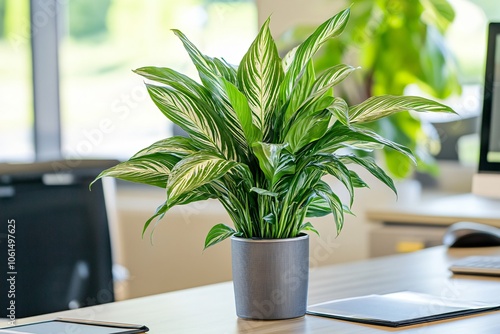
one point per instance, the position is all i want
(210, 309)
(440, 210)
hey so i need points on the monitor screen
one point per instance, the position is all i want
(490, 126)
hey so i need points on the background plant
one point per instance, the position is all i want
(262, 135)
(397, 43)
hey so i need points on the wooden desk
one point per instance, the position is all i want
(440, 210)
(409, 226)
(210, 309)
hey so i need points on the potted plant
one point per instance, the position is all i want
(261, 136)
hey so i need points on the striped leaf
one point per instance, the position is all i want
(302, 89)
(208, 68)
(217, 234)
(376, 139)
(259, 76)
(318, 208)
(177, 146)
(377, 107)
(176, 80)
(333, 166)
(326, 81)
(194, 117)
(240, 105)
(308, 227)
(195, 171)
(210, 72)
(226, 70)
(287, 60)
(340, 110)
(173, 79)
(307, 50)
(306, 128)
(274, 160)
(200, 194)
(371, 166)
(323, 190)
(318, 95)
(339, 136)
(147, 170)
(357, 181)
(264, 192)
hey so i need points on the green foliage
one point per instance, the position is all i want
(261, 137)
(87, 18)
(397, 43)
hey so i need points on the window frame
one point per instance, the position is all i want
(44, 29)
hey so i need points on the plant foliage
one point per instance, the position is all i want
(397, 43)
(261, 137)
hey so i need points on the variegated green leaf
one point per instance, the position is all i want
(217, 234)
(175, 80)
(323, 190)
(357, 181)
(240, 105)
(299, 188)
(332, 77)
(195, 171)
(340, 110)
(326, 81)
(306, 128)
(194, 117)
(210, 73)
(226, 70)
(376, 139)
(274, 161)
(264, 192)
(207, 67)
(306, 51)
(177, 146)
(308, 227)
(259, 76)
(339, 136)
(318, 207)
(287, 60)
(333, 166)
(159, 214)
(300, 92)
(200, 194)
(371, 166)
(152, 171)
(381, 106)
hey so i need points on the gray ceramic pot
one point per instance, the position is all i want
(270, 277)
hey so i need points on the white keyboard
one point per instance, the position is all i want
(477, 265)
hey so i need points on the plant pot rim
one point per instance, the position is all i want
(301, 236)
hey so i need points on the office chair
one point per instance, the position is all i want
(62, 255)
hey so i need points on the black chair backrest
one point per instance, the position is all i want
(55, 249)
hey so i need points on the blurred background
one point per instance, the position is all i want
(67, 90)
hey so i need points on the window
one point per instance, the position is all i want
(103, 108)
(106, 111)
(16, 103)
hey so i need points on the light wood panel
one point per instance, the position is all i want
(210, 309)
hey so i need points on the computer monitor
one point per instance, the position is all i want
(486, 181)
